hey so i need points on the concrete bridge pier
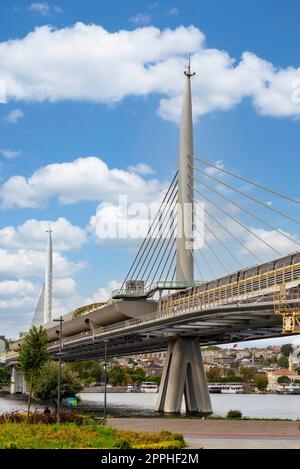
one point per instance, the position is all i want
(184, 375)
(17, 383)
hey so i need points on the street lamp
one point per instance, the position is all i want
(105, 378)
(60, 320)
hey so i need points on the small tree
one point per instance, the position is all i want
(283, 380)
(283, 362)
(33, 356)
(45, 387)
(138, 375)
(286, 350)
(261, 382)
(4, 377)
(214, 375)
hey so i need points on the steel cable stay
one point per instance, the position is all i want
(165, 200)
(253, 199)
(239, 223)
(38, 317)
(197, 265)
(167, 250)
(207, 212)
(151, 250)
(259, 186)
(214, 235)
(167, 236)
(248, 212)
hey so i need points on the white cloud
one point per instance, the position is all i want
(14, 116)
(103, 294)
(78, 62)
(83, 179)
(32, 235)
(142, 169)
(277, 241)
(9, 154)
(45, 9)
(141, 19)
(27, 263)
(174, 11)
(18, 289)
(64, 287)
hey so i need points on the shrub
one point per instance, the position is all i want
(120, 443)
(234, 414)
(172, 444)
(39, 417)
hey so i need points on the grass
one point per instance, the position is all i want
(72, 436)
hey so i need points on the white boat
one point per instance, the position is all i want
(292, 388)
(232, 388)
(149, 386)
(226, 388)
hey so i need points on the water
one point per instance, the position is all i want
(251, 405)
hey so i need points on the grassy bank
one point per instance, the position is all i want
(71, 436)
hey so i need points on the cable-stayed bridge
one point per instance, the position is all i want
(188, 285)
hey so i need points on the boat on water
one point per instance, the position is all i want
(133, 388)
(149, 386)
(226, 388)
(291, 388)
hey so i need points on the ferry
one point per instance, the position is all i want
(226, 388)
(293, 388)
(149, 386)
(132, 388)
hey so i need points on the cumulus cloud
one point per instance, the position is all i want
(141, 19)
(14, 116)
(174, 11)
(32, 235)
(77, 63)
(142, 169)
(9, 154)
(27, 263)
(44, 9)
(83, 179)
(103, 294)
(18, 289)
(273, 238)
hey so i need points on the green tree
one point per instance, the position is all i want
(214, 375)
(261, 382)
(283, 362)
(283, 379)
(155, 379)
(286, 350)
(231, 377)
(88, 370)
(33, 356)
(4, 377)
(119, 375)
(138, 375)
(247, 374)
(45, 387)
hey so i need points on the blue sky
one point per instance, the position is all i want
(121, 107)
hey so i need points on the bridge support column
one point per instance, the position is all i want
(184, 375)
(17, 382)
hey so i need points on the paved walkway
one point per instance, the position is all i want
(221, 434)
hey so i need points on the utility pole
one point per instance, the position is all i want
(60, 320)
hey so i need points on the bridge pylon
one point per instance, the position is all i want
(184, 372)
(184, 376)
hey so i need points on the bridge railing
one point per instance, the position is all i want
(242, 290)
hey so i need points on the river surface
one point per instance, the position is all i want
(251, 405)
